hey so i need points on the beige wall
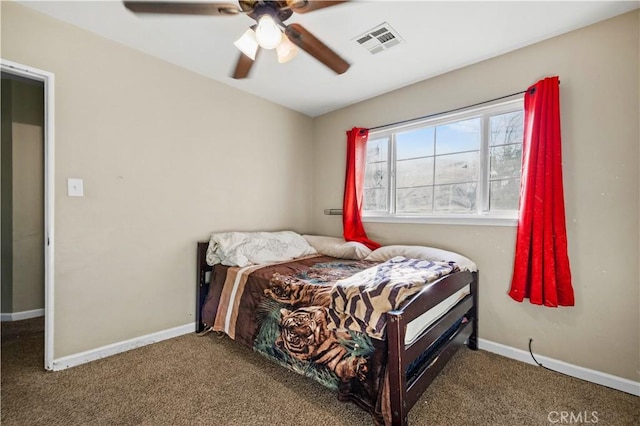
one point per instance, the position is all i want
(23, 196)
(28, 196)
(6, 200)
(598, 68)
(167, 157)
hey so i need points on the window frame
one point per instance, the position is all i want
(482, 216)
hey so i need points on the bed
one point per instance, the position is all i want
(313, 314)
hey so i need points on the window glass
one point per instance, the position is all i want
(504, 194)
(506, 128)
(506, 161)
(416, 172)
(505, 158)
(414, 200)
(454, 168)
(376, 178)
(470, 165)
(457, 198)
(458, 137)
(415, 143)
(375, 199)
(377, 150)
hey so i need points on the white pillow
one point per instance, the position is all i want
(385, 253)
(337, 247)
(254, 248)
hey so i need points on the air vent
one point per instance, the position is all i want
(379, 39)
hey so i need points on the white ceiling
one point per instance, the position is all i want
(438, 37)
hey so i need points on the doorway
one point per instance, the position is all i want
(28, 194)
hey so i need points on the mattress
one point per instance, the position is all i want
(416, 327)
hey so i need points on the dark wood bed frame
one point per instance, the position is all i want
(405, 391)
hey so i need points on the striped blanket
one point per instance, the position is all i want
(360, 302)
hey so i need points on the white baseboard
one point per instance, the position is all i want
(19, 316)
(116, 348)
(598, 377)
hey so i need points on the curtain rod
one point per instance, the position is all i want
(450, 111)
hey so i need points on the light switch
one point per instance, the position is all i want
(75, 187)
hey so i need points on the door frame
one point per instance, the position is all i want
(49, 194)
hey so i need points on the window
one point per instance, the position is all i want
(457, 168)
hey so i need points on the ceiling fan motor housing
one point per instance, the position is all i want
(278, 10)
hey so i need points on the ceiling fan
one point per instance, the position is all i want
(269, 31)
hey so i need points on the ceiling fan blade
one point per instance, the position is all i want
(182, 8)
(310, 44)
(304, 6)
(243, 66)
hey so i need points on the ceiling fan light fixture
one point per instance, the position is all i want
(248, 44)
(268, 34)
(286, 50)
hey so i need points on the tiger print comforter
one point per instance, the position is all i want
(283, 311)
(361, 301)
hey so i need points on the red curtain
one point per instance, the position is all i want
(353, 188)
(541, 270)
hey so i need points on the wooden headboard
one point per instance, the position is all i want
(203, 273)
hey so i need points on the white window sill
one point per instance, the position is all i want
(476, 220)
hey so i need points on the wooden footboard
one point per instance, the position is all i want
(427, 355)
(203, 271)
(460, 325)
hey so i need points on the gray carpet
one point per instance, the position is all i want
(208, 380)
